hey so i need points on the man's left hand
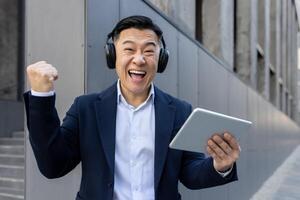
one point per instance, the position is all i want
(225, 150)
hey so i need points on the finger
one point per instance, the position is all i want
(234, 145)
(54, 74)
(40, 62)
(232, 141)
(213, 154)
(47, 70)
(222, 143)
(55, 77)
(36, 67)
(216, 149)
(51, 70)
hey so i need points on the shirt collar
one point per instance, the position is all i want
(120, 96)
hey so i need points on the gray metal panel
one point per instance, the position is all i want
(237, 97)
(252, 116)
(237, 107)
(274, 132)
(187, 70)
(268, 145)
(213, 95)
(101, 18)
(58, 38)
(168, 80)
(188, 194)
(250, 151)
(261, 139)
(212, 84)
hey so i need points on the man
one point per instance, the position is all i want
(121, 135)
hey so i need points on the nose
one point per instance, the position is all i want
(139, 59)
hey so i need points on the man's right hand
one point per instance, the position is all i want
(41, 76)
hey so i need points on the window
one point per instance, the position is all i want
(260, 70)
(261, 23)
(272, 85)
(281, 96)
(182, 13)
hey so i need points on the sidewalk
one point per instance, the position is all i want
(284, 184)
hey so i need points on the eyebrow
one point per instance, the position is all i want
(147, 43)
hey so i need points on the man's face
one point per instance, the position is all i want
(137, 53)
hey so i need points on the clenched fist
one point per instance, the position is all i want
(41, 76)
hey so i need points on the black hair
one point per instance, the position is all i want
(135, 21)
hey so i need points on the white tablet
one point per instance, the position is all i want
(202, 124)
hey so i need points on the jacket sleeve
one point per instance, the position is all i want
(197, 170)
(56, 147)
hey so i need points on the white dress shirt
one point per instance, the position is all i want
(42, 94)
(134, 153)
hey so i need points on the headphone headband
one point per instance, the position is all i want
(110, 36)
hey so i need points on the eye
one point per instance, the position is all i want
(128, 49)
(149, 51)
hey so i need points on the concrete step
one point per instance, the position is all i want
(17, 184)
(10, 159)
(4, 196)
(12, 171)
(12, 141)
(12, 149)
(11, 191)
(18, 134)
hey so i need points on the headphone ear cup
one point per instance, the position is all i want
(163, 60)
(110, 53)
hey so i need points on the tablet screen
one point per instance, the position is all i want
(202, 124)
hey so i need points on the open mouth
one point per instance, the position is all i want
(137, 75)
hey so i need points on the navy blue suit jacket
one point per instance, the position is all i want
(87, 135)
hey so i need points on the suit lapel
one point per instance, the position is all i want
(164, 118)
(106, 109)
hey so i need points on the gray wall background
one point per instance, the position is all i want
(71, 35)
(55, 33)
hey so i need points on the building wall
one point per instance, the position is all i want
(55, 33)
(193, 74)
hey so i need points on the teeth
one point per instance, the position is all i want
(137, 72)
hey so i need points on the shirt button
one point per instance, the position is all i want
(109, 185)
(132, 163)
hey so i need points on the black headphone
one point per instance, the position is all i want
(110, 53)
